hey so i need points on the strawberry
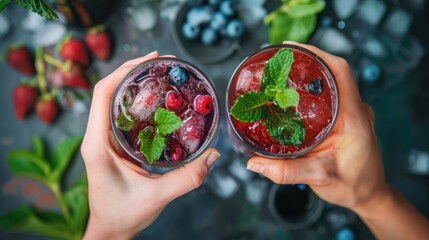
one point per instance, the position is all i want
(98, 41)
(67, 74)
(74, 49)
(176, 153)
(24, 98)
(47, 109)
(20, 58)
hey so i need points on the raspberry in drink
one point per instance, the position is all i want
(282, 102)
(165, 112)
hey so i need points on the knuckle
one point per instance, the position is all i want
(323, 175)
(197, 177)
(343, 63)
(284, 175)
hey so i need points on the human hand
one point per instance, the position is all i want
(346, 168)
(124, 198)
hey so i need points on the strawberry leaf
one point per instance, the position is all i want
(284, 125)
(248, 107)
(166, 121)
(152, 145)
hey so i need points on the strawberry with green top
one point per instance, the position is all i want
(67, 74)
(74, 49)
(99, 42)
(47, 109)
(24, 99)
(20, 58)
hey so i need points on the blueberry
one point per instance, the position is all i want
(315, 86)
(235, 28)
(209, 36)
(195, 2)
(178, 76)
(190, 32)
(218, 21)
(371, 73)
(227, 7)
(214, 3)
(200, 15)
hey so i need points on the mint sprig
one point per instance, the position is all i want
(285, 125)
(125, 123)
(154, 141)
(273, 102)
(277, 70)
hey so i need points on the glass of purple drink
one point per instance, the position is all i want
(165, 112)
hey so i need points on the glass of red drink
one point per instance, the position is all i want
(165, 112)
(316, 110)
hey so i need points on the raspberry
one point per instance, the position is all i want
(173, 100)
(203, 104)
(176, 153)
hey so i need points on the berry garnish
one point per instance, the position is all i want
(173, 100)
(203, 104)
(315, 86)
(178, 76)
(176, 153)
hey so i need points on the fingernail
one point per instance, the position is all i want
(212, 158)
(289, 42)
(172, 56)
(153, 53)
(256, 167)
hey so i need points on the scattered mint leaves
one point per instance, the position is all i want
(284, 125)
(273, 102)
(248, 107)
(166, 121)
(277, 70)
(295, 20)
(124, 122)
(153, 142)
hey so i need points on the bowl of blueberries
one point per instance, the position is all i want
(208, 30)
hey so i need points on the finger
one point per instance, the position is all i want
(185, 179)
(349, 92)
(99, 116)
(310, 170)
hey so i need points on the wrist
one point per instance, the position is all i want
(376, 203)
(95, 230)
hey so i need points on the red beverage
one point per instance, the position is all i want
(165, 112)
(317, 106)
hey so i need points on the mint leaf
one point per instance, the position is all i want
(283, 27)
(127, 99)
(166, 121)
(277, 70)
(62, 156)
(305, 9)
(76, 198)
(26, 163)
(248, 107)
(284, 125)
(152, 145)
(39, 7)
(287, 98)
(29, 220)
(3, 4)
(125, 123)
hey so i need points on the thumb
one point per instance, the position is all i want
(185, 179)
(310, 170)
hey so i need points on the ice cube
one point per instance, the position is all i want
(334, 41)
(398, 22)
(151, 95)
(345, 9)
(316, 113)
(372, 11)
(190, 134)
(192, 88)
(301, 70)
(250, 78)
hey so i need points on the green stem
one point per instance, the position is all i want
(55, 188)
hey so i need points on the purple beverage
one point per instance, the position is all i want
(165, 112)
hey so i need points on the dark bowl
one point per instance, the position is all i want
(195, 49)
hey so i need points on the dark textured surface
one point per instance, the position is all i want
(402, 119)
